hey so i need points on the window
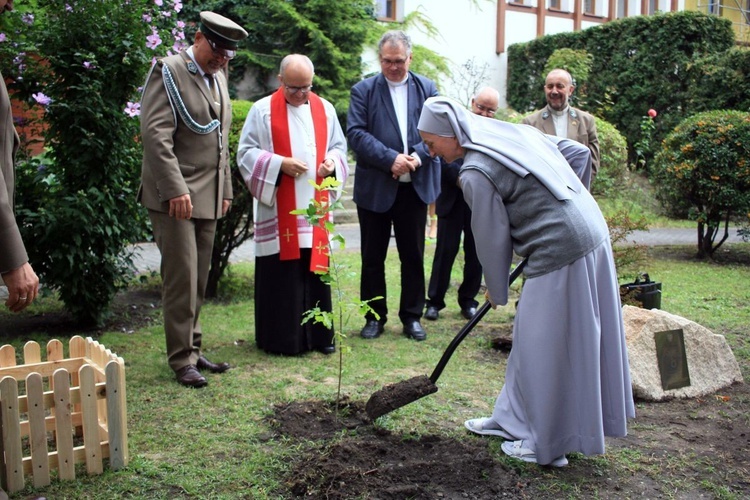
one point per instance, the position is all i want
(622, 8)
(385, 10)
(557, 4)
(589, 7)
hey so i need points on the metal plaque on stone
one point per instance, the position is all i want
(670, 353)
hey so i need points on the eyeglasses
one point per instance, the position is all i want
(295, 90)
(393, 62)
(485, 109)
(225, 53)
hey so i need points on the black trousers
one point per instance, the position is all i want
(408, 217)
(450, 227)
(284, 291)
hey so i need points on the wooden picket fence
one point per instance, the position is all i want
(61, 412)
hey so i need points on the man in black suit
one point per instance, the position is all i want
(454, 218)
(396, 178)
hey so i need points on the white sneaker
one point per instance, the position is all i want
(487, 427)
(517, 450)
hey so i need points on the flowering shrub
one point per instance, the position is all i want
(83, 61)
(703, 170)
(643, 147)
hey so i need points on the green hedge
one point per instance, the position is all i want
(639, 63)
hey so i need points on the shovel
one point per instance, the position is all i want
(394, 396)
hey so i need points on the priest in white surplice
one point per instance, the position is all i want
(290, 138)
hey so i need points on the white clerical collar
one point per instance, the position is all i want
(562, 112)
(397, 84)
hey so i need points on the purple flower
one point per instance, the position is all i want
(28, 18)
(146, 18)
(42, 99)
(68, 8)
(154, 40)
(89, 65)
(159, 2)
(181, 25)
(133, 109)
(179, 45)
(177, 5)
(2, 37)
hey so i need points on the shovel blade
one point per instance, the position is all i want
(394, 396)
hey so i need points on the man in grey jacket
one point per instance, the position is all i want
(559, 118)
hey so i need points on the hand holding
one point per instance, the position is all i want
(23, 287)
(292, 166)
(326, 168)
(403, 164)
(487, 296)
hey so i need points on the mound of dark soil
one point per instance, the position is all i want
(694, 442)
(371, 462)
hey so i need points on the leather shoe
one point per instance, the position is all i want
(189, 376)
(327, 349)
(413, 329)
(204, 364)
(432, 313)
(372, 329)
(468, 312)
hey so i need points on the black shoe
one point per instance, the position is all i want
(372, 329)
(327, 349)
(431, 313)
(189, 376)
(469, 312)
(205, 364)
(414, 330)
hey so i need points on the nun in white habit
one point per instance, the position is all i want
(567, 383)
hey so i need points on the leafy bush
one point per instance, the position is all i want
(77, 204)
(236, 227)
(703, 169)
(719, 81)
(613, 160)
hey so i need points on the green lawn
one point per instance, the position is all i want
(216, 442)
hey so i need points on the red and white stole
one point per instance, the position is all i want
(286, 196)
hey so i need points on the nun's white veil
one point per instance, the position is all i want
(521, 148)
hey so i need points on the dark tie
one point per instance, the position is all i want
(212, 85)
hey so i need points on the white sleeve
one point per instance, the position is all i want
(259, 166)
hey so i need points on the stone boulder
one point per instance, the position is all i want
(710, 361)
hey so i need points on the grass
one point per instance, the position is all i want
(217, 443)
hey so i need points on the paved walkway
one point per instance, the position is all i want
(148, 258)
